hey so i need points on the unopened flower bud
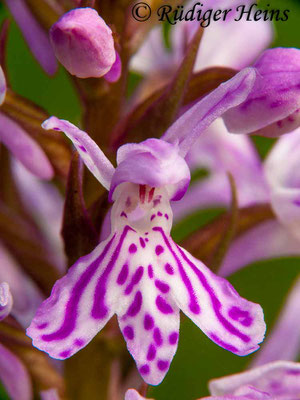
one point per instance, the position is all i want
(83, 43)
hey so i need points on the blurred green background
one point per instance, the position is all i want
(267, 283)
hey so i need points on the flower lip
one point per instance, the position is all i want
(155, 163)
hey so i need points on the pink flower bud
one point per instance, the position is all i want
(83, 43)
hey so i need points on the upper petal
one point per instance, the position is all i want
(91, 154)
(24, 148)
(272, 107)
(152, 163)
(186, 129)
(219, 152)
(2, 86)
(34, 34)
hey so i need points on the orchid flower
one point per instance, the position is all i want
(21, 145)
(13, 374)
(138, 272)
(247, 40)
(34, 35)
(281, 236)
(84, 44)
(26, 296)
(278, 380)
(283, 342)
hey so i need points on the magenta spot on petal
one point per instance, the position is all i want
(148, 322)
(146, 233)
(136, 305)
(162, 365)
(173, 338)
(123, 214)
(132, 248)
(240, 315)
(163, 306)
(142, 242)
(123, 275)
(159, 249)
(279, 124)
(169, 269)
(150, 271)
(159, 214)
(157, 337)
(65, 354)
(79, 342)
(291, 119)
(128, 332)
(147, 240)
(152, 217)
(166, 216)
(145, 369)
(194, 307)
(82, 148)
(162, 286)
(151, 352)
(293, 372)
(297, 203)
(276, 104)
(42, 326)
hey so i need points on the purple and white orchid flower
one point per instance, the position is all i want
(282, 236)
(21, 145)
(13, 374)
(283, 342)
(247, 40)
(278, 380)
(138, 272)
